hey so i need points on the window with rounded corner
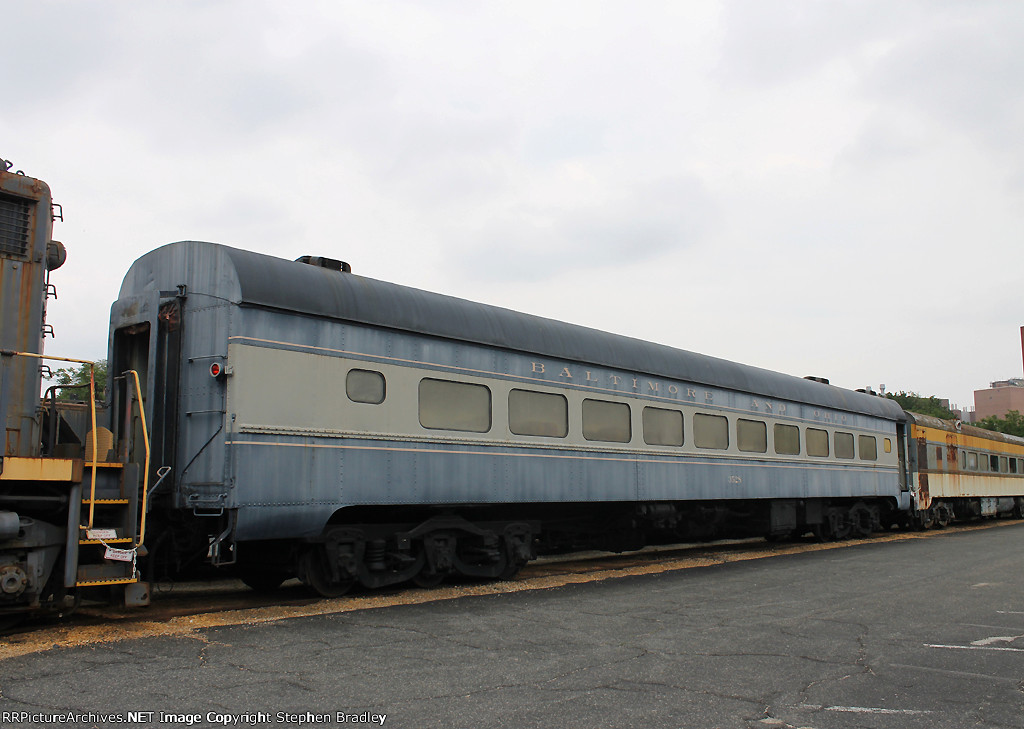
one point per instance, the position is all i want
(663, 427)
(751, 436)
(844, 445)
(606, 421)
(448, 405)
(711, 431)
(972, 461)
(817, 443)
(538, 413)
(868, 447)
(787, 440)
(888, 445)
(365, 386)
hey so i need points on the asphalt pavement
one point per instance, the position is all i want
(921, 633)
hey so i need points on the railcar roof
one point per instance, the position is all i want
(255, 279)
(954, 426)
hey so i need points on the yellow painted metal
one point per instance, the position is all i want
(101, 583)
(951, 480)
(145, 468)
(42, 469)
(95, 448)
(938, 436)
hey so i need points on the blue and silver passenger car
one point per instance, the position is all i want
(339, 428)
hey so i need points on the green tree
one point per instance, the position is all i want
(930, 405)
(1012, 424)
(80, 376)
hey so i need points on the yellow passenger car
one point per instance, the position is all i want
(961, 472)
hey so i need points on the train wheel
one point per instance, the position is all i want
(837, 525)
(860, 520)
(512, 565)
(316, 573)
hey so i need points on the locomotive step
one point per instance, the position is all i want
(107, 573)
(98, 535)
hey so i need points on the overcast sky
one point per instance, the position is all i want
(819, 188)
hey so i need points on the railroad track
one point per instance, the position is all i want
(186, 609)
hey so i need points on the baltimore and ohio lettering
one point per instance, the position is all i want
(642, 385)
(657, 388)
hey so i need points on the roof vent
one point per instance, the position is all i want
(328, 263)
(822, 380)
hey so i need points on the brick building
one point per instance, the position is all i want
(999, 399)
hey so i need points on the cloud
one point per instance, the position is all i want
(749, 170)
(784, 41)
(961, 72)
(642, 222)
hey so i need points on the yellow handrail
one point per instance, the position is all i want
(145, 469)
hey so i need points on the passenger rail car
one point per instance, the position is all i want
(963, 472)
(290, 418)
(344, 429)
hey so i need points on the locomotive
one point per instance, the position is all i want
(279, 419)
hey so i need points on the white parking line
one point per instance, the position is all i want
(960, 674)
(864, 709)
(987, 627)
(976, 648)
(996, 639)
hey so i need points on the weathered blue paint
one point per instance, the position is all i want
(288, 484)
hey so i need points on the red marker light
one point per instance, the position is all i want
(215, 369)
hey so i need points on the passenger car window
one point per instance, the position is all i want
(606, 421)
(365, 386)
(751, 436)
(538, 413)
(817, 443)
(844, 445)
(868, 447)
(787, 440)
(663, 427)
(711, 431)
(448, 405)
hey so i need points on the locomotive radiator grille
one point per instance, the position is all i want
(14, 226)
